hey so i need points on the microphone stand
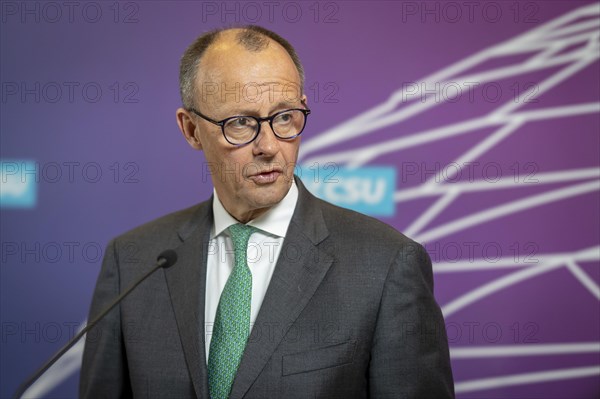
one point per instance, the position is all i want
(165, 259)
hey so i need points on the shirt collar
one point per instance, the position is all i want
(275, 221)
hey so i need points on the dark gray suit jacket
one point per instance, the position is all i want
(349, 313)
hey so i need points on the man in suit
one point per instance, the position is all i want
(275, 294)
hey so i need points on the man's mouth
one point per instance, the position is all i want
(265, 177)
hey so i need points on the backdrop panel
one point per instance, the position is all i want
(473, 127)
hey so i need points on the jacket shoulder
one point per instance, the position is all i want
(165, 228)
(341, 221)
(369, 246)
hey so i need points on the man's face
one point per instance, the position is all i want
(233, 81)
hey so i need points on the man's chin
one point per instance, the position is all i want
(268, 196)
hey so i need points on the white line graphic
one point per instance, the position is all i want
(474, 352)
(496, 285)
(507, 209)
(59, 372)
(585, 255)
(584, 279)
(526, 378)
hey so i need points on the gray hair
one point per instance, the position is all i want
(252, 37)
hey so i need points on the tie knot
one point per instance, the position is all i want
(240, 234)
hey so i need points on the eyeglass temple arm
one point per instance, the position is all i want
(205, 117)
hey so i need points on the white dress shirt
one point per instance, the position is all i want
(263, 251)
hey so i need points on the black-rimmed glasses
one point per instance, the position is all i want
(243, 129)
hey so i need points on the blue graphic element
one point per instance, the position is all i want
(18, 184)
(369, 190)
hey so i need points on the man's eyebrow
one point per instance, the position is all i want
(280, 106)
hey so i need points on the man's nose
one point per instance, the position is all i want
(267, 142)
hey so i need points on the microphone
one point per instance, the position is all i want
(166, 259)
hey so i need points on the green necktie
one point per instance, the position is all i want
(232, 322)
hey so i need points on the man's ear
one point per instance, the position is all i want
(303, 100)
(189, 128)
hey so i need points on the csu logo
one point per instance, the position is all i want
(369, 190)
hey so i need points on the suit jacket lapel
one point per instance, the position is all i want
(186, 282)
(299, 271)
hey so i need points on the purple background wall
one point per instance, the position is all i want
(89, 92)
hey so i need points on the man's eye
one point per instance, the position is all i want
(240, 122)
(284, 118)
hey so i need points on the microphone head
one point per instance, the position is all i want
(167, 257)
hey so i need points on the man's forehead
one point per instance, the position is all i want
(248, 98)
(229, 67)
(259, 70)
